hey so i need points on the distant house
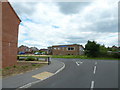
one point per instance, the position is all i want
(9, 24)
(34, 49)
(74, 49)
(27, 50)
(115, 47)
(24, 49)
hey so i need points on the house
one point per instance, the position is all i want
(24, 49)
(34, 49)
(9, 24)
(27, 50)
(74, 49)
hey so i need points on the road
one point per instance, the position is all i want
(79, 73)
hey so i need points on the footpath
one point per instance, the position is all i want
(27, 79)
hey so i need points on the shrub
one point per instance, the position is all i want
(7, 68)
(30, 59)
(116, 55)
(17, 57)
(14, 66)
(33, 64)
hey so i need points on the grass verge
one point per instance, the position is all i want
(71, 56)
(21, 67)
(83, 57)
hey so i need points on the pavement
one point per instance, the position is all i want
(27, 79)
(84, 73)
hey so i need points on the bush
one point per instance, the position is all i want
(30, 59)
(116, 55)
(33, 64)
(17, 57)
(14, 66)
(7, 68)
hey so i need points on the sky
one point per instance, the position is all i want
(57, 23)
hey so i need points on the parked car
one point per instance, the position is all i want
(20, 53)
(37, 53)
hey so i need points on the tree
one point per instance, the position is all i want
(92, 49)
(103, 51)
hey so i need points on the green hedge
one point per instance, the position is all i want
(30, 59)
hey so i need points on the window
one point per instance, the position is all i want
(81, 49)
(58, 48)
(71, 48)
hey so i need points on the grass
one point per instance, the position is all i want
(21, 67)
(72, 56)
(69, 56)
(83, 57)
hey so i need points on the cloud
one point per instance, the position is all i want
(24, 8)
(54, 26)
(52, 23)
(71, 7)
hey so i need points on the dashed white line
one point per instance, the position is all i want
(92, 84)
(94, 69)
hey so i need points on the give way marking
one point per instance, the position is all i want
(78, 63)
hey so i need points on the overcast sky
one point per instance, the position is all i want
(54, 23)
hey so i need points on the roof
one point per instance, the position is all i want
(43, 49)
(67, 45)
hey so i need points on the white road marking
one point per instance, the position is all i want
(77, 63)
(81, 62)
(92, 85)
(94, 69)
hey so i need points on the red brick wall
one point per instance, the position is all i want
(10, 24)
(0, 35)
(64, 51)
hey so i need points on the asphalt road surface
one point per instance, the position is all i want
(79, 73)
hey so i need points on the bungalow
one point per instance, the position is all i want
(74, 49)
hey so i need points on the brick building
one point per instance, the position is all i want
(9, 34)
(74, 49)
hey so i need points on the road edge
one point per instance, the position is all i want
(30, 84)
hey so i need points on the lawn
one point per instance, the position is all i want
(71, 56)
(22, 67)
(83, 57)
